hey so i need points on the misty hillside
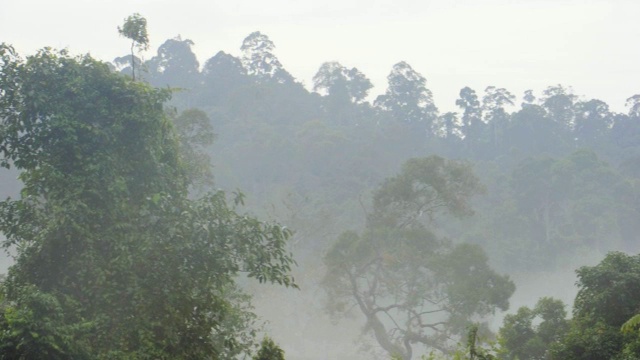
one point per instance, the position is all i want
(558, 168)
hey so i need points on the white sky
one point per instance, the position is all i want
(591, 45)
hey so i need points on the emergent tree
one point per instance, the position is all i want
(413, 287)
(135, 29)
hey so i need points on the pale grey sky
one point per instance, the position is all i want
(590, 45)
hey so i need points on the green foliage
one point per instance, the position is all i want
(135, 29)
(546, 205)
(476, 352)
(608, 296)
(424, 188)
(269, 350)
(408, 99)
(33, 327)
(113, 259)
(471, 350)
(260, 62)
(175, 66)
(549, 208)
(348, 85)
(610, 291)
(399, 269)
(631, 324)
(195, 134)
(531, 333)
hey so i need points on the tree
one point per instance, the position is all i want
(531, 131)
(592, 121)
(175, 65)
(135, 29)
(625, 134)
(469, 103)
(531, 333)
(448, 125)
(608, 297)
(111, 252)
(407, 99)
(528, 98)
(222, 75)
(559, 103)
(338, 81)
(472, 125)
(493, 104)
(414, 288)
(345, 90)
(634, 105)
(269, 350)
(259, 60)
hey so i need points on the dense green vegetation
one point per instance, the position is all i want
(114, 260)
(407, 216)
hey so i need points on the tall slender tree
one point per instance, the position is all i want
(135, 29)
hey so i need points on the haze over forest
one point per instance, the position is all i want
(155, 190)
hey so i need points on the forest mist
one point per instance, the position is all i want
(550, 181)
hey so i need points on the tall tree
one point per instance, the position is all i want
(135, 29)
(493, 104)
(472, 113)
(560, 104)
(414, 288)
(222, 75)
(259, 60)
(407, 98)
(175, 65)
(634, 105)
(531, 132)
(592, 121)
(345, 90)
(114, 260)
(341, 82)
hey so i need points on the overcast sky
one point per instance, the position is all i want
(590, 45)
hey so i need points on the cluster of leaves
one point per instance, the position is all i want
(269, 350)
(113, 259)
